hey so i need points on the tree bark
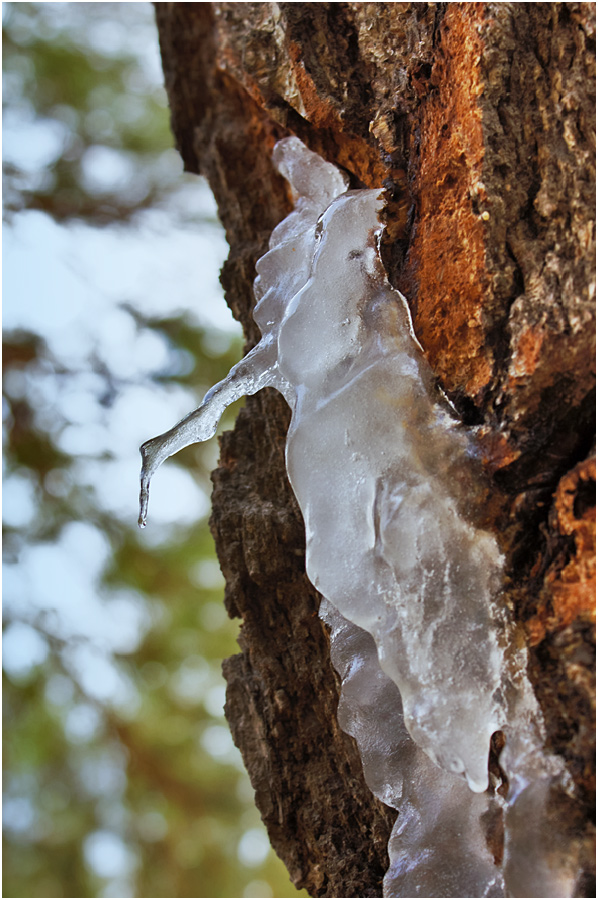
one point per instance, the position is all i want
(478, 118)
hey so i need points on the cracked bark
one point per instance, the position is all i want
(479, 120)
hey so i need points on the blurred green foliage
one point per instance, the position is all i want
(74, 69)
(120, 778)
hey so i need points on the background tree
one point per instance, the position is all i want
(479, 119)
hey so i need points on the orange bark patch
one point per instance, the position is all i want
(357, 156)
(448, 250)
(495, 449)
(527, 352)
(323, 131)
(338, 146)
(319, 112)
(569, 591)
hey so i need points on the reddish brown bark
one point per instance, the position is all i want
(479, 119)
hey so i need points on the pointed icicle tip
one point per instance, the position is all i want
(143, 501)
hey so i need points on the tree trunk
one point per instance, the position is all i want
(479, 119)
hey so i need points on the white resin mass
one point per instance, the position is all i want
(382, 472)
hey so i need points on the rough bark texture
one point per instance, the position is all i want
(479, 120)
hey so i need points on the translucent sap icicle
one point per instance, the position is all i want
(382, 473)
(282, 272)
(371, 455)
(438, 843)
(254, 372)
